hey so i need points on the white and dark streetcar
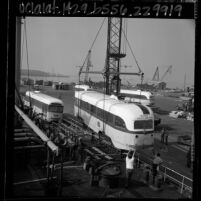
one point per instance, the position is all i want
(127, 125)
(47, 107)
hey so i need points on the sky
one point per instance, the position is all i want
(61, 44)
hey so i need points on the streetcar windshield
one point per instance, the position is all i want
(143, 124)
(151, 98)
(55, 108)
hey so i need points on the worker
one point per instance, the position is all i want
(81, 147)
(188, 158)
(64, 146)
(129, 166)
(52, 137)
(162, 135)
(155, 166)
(92, 137)
(57, 140)
(166, 138)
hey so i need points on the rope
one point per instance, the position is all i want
(92, 45)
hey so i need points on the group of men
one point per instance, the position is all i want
(72, 146)
(130, 164)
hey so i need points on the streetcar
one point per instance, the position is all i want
(128, 126)
(137, 96)
(48, 107)
(83, 87)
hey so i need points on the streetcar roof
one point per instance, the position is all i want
(43, 97)
(137, 92)
(112, 105)
(84, 87)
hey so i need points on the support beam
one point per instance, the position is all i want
(102, 153)
(31, 181)
(21, 130)
(29, 147)
(113, 73)
(43, 137)
(22, 139)
(23, 135)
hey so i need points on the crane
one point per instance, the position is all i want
(111, 71)
(167, 71)
(89, 65)
(114, 55)
(156, 74)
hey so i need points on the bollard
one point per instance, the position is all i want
(159, 181)
(147, 174)
(86, 164)
(94, 178)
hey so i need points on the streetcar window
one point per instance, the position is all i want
(44, 108)
(100, 113)
(93, 109)
(119, 122)
(81, 104)
(53, 108)
(143, 124)
(87, 106)
(108, 117)
(79, 89)
(84, 105)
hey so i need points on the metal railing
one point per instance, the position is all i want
(184, 182)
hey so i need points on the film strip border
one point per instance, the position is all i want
(103, 8)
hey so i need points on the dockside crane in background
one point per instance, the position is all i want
(156, 76)
(89, 65)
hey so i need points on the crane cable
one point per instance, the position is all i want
(140, 71)
(125, 28)
(92, 45)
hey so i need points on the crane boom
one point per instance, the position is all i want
(89, 65)
(156, 75)
(167, 71)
